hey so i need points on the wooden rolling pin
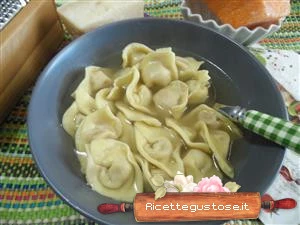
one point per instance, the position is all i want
(196, 206)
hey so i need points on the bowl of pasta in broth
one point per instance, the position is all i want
(128, 101)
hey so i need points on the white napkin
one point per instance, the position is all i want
(283, 65)
(282, 188)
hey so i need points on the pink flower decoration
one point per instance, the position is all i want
(213, 184)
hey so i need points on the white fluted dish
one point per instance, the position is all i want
(242, 35)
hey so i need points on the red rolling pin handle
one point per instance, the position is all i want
(108, 208)
(286, 203)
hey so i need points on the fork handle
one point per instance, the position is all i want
(282, 132)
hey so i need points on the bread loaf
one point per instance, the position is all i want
(83, 16)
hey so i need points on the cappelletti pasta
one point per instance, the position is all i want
(146, 119)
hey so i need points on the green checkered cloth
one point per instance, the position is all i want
(280, 131)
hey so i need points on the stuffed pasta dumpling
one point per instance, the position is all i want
(72, 118)
(159, 146)
(102, 100)
(139, 95)
(172, 98)
(94, 80)
(150, 173)
(101, 123)
(127, 135)
(198, 83)
(158, 68)
(187, 63)
(219, 143)
(189, 135)
(112, 169)
(133, 115)
(202, 113)
(199, 165)
(134, 53)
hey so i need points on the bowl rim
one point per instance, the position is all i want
(64, 196)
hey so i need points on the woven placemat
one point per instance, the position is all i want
(288, 37)
(25, 198)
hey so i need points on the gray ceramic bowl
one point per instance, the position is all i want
(238, 77)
